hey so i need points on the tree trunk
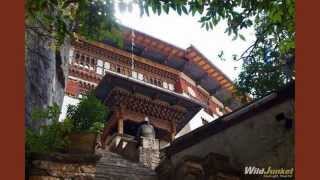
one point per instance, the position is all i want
(46, 73)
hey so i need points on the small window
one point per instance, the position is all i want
(71, 55)
(87, 60)
(134, 74)
(185, 94)
(218, 110)
(100, 63)
(99, 70)
(191, 91)
(165, 85)
(140, 76)
(118, 69)
(171, 87)
(107, 65)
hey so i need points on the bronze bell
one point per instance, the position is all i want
(146, 130)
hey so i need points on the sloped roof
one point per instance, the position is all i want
(113, 80)
(190, 61)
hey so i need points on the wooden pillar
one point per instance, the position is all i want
(173, 130)
(120, 126)
(120, 120)
(111, 123)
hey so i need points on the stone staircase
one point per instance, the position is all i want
(114, 167)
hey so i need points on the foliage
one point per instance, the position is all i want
(51, 137)
(269, 61)
(62, 19)
(97, 127)
(50, 113)
(95, 20)
(89, 115)
(259, 78)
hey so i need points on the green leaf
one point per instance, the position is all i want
(146, 8)
(242, 37)
(159, 10)
(173, 6)
(234, 57)
(210, 24)
(179, 10)
(184, 9)
(166, 8)
(154, 8)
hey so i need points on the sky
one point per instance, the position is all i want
(182, 31)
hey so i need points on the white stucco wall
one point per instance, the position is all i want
(196, 122)
(66, 101)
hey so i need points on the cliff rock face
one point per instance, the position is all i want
(45, 73)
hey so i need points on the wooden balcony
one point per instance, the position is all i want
(88, 67)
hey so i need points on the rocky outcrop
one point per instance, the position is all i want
(45, 73)
(114, 167)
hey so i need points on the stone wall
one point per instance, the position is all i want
(145, 152)
(63, 167)
(261, 140)
(149, 154)
(45, 170)
(211, 167)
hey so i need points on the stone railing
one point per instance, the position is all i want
(149, 153)
(146, 152)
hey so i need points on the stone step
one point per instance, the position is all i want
(124, 177)
(119, 162)
(113, 166)
(115, 158)
(105, 168)
(127, 166)
(123, 169)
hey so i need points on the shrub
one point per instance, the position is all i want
(51, 137)
(89, 115)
